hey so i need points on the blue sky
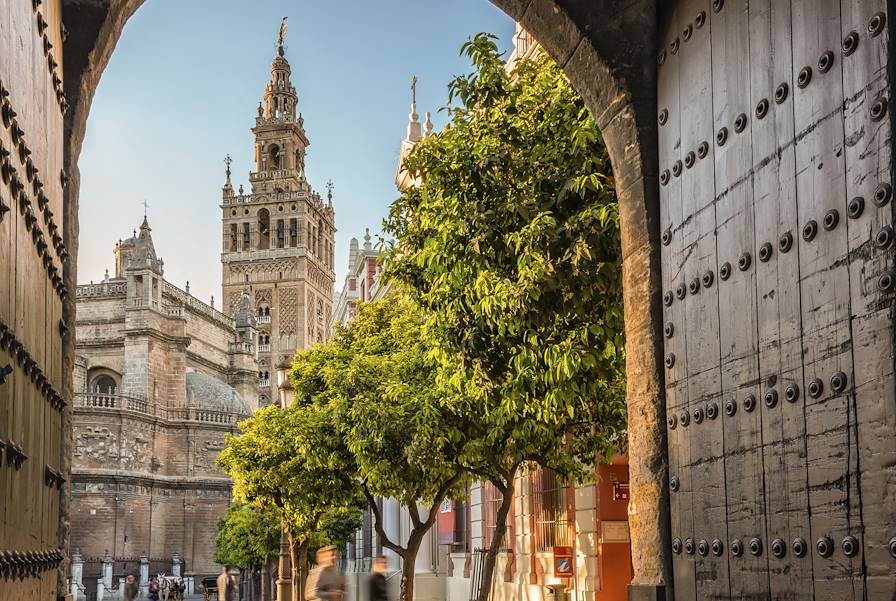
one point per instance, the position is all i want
(181, 91)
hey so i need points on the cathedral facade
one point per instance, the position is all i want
(278, 239)
(160, 379)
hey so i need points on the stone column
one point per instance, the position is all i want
(144, 574)
(107, 571)
(391, 525)
(476, 534)
(587, 532)
(121, 583)
(350, 554)
(77, 582)
(176, 563)
(423, 564)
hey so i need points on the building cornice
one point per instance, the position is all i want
(106, 476)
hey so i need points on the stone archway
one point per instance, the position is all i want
(608, 53)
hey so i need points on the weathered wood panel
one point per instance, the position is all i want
(868, 156)
(31, 262)
(777, 271)
(707, 467)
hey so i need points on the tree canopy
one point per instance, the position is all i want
(511, 243)
(248, 535)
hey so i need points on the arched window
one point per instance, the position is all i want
(104, 384)
(264, 229)
(320, 238)
(274, 157)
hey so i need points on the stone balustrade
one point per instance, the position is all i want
(136, 404)
(187, 300)
(205, 415)
(112, 401)
(102, 289)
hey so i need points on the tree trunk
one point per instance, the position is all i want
(298, 556)
(408, 564)
(491, 555)
(253, 581)
(266, 580)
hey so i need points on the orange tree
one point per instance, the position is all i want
(511, 243)
(282, 458)
(376, 381)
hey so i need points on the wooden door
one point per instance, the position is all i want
(775, 147)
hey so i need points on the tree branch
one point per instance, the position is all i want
(414, 512)
(440, 496)
(378, 523)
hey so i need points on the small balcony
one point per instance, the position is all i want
(264, 348)
(264, 382)
(263, 319)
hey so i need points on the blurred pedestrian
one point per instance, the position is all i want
(227, 587)
(325, 582)
(154, 588)
(377, 581)
(130, 588)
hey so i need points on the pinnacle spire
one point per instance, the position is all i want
(413, 118)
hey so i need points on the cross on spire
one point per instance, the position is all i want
(414, 89)
(228, 161)
(145, 204)
(329, 189)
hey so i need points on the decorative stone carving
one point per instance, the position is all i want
(97, 444)
(205, 454)
(289, 301)
(263, 296)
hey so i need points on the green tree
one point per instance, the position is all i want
(249, 538)
(379, 386)
(282, 458)
(512, 243)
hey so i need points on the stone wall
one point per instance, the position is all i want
(147, 485)
(128, 519)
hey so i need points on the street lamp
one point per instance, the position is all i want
(284, 567)
(284, 386)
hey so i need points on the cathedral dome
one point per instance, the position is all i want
(207, 393)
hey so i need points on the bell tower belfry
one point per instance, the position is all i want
(280, 140)
(278, 239)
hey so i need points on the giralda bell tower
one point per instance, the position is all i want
(278, 239)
